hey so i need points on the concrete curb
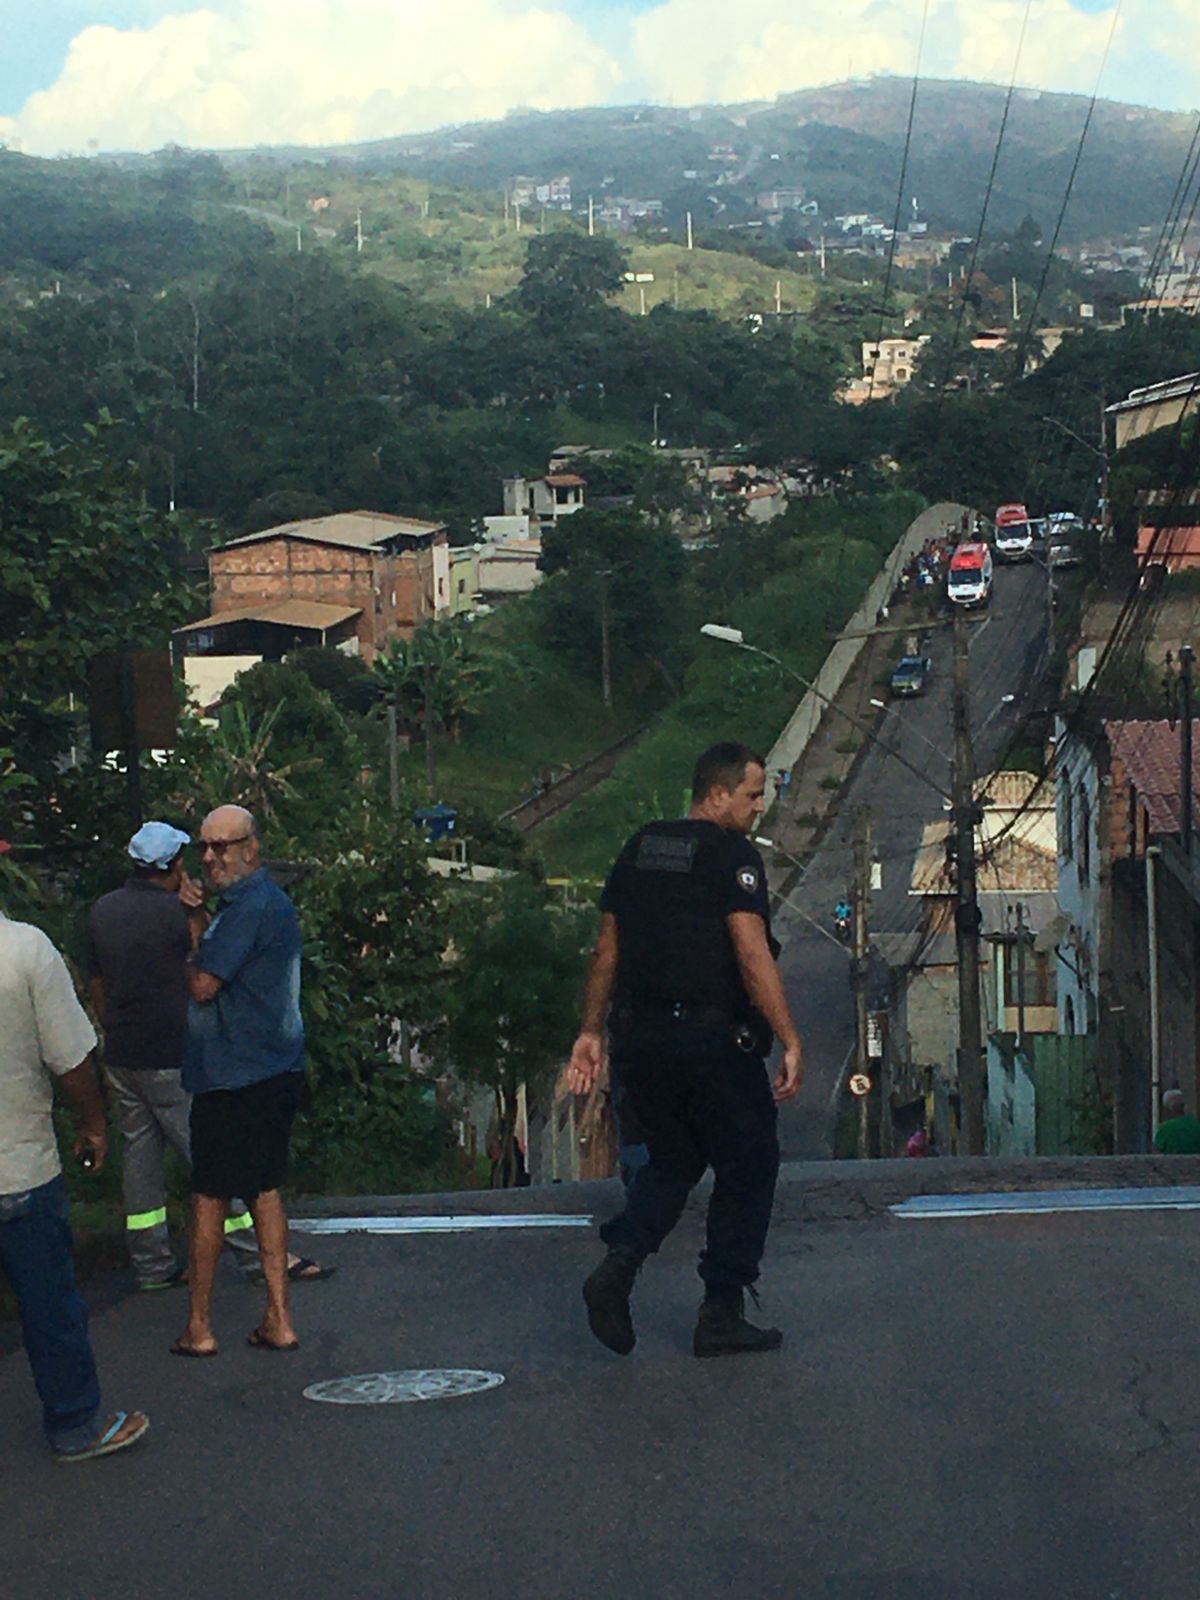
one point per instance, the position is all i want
(810, 1189)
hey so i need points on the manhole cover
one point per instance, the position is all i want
(397, 1388)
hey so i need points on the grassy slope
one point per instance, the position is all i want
(539, 714)
(727, 695)
(454, 245)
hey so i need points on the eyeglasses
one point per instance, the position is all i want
(220, 846)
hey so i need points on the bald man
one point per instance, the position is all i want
(244, 1067)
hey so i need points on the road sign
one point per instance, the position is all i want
(860, 1084)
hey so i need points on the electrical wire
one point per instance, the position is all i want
(1023, 343)
(900, 186)
(987, 200)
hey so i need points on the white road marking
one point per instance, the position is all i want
(430, 1224)
(400, 1388)
(1047, 1202)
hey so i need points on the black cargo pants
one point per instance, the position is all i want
(698, 1101)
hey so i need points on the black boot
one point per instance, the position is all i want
(606, 1295)
(722, 1329)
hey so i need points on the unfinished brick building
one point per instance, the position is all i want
(355, 579)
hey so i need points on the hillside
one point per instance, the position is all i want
(841, 144)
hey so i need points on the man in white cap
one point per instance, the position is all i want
(138, 940)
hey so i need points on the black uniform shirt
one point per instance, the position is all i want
(671, 889)
(138, 942)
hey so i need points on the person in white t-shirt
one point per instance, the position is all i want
(46, 1039)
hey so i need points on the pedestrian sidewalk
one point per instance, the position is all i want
(802, 813)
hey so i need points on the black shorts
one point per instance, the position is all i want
(240, 1137)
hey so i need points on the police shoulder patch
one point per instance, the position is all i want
(748, 878)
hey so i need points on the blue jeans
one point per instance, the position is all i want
(37, 1257)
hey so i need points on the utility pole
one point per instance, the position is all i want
(605, 641)
(1020, 976)
(430, 759)
(862, 902)
(358, 233)
(966, 911)
(1187, 660)
(1015, 303)
(690, 242)
(1105, 517)
(393, 755)
(822, 255)
(778, 296)
(591, 218)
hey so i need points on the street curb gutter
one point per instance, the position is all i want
(808, 1188)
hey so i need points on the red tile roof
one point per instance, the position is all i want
(1150, 754)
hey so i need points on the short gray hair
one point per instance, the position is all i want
(1174, 1102)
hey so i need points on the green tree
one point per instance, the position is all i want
(569, 276)
(513, 1000)
(614, 596)
(84, 567)
(375, 935)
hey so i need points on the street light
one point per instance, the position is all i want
(666, 395)
(735, 637)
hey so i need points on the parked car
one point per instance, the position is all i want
(1063, 522)
(1062, 555)
(911, 676)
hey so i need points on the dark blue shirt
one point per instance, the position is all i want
(252, 1030)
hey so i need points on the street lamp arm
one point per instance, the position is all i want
(735, 636)
(1102, 455)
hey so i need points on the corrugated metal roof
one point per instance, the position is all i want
(356, 530)
(565, 480)
(1163, 543)
(1155, 393)
(287, 613)
(1016, 841)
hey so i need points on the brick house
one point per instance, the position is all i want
(355, 579)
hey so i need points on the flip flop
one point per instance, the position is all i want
(108, 1443)
(181, 1349)
(259, 1341)
(306, 1271)
(300, 1272)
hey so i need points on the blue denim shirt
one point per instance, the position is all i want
(252, 1030)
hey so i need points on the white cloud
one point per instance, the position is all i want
(690, 51)
(323, 71)
(311, 71)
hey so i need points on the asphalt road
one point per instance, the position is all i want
(1006, 645)
(988, 1409)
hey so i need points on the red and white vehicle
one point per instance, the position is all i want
(1014, 533)
(969, 582)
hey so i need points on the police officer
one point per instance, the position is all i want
(686, 962)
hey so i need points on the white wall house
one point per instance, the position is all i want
(545, 501)
(1078, 803)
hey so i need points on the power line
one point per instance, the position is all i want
(1174, 210)
(987, 199)
(891, 256)
(1023, 345)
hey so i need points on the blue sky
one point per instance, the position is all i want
(242, 71)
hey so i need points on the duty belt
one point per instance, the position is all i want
(657, 1012)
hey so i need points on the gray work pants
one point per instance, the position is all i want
(151, 1111)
